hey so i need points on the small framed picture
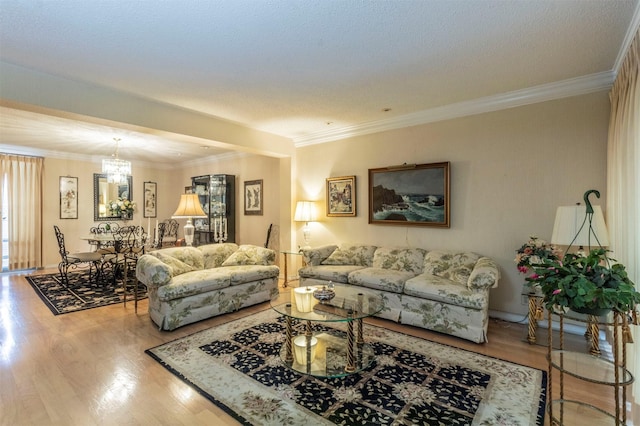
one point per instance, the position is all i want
(341, 196)
(188, 189)
(253, 197)
(68, 197)
(150, 199)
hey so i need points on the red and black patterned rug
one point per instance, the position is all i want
(81, 293)
(411, 381)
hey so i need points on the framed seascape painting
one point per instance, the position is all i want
(341, 196)
(150, 199)
(410, 194)
(68, 197)
(253, 197)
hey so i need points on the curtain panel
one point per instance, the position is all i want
(22, 180)
(623, 183)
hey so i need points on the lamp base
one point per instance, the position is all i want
(189, 231)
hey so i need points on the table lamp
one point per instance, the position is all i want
(580, 225)
(189, 208)
(305, 212)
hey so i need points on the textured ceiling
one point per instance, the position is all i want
(299, 68)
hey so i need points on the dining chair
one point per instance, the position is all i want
(76, 260)
(132, 246)
(170, 232)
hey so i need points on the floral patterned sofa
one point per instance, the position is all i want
(188, 284)
(444, 291)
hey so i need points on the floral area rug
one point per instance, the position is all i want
(411, 381)
(81, 293)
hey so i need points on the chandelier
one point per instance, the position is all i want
(116, 170)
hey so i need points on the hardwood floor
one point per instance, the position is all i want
(89, 367)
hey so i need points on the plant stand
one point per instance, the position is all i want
(589, 368)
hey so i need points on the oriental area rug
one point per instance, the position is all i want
(81, 293)
(237, 366)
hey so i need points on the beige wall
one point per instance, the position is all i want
(509, 171)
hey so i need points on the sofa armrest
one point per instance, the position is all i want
(315, 256)
(485, 274)
(152, 271)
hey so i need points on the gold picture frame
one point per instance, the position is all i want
(410, 195)
(341, 196)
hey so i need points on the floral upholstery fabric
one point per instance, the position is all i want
(215, 254)
(399, 259)
(380, 279)
(251, 255)
(337, 273)
(246, 273)
(315, 256)
(350, 254)
(485, 274)
(177, 266)
(440, 289)
(189, 255)
(192, 283)
(451, 265)
(179, 299)
(152, 271)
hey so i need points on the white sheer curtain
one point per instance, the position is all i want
(623, 184)
(23, 178)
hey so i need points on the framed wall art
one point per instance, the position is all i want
(68, 197)
(150, 199)
(410, 194)
(341, 196)
(253, 197)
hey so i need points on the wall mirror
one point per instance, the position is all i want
(103, 192)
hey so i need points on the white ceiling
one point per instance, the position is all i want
(301, 69)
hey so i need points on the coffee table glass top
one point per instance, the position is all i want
(347, 308)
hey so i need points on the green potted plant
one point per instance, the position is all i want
(593, 284)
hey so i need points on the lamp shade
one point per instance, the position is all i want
(305, 212)
(189, 207)
(567, 227)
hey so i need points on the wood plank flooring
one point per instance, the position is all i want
(89, 367)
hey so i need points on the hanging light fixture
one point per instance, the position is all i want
(116, 170)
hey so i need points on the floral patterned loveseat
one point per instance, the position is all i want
(444, 291)
(188, 284)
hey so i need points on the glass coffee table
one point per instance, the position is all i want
(329, 352)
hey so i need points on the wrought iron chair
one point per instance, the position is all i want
(104, 228)
(170, 236)
(130, 247)
(76, 260)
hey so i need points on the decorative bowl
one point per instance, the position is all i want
(324, 294)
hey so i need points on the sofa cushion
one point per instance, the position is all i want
(241, 274)
(194, 282)
(337, 273)
(251, 255)
(315, 256)
(399, 259)
(456, 266)
(178, 267)
(214, 255)
(485, 274)
(380, 279)
(189, 255)
(351, 254)
(439, 289)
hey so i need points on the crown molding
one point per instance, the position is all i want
(634, 27)
(545, 92)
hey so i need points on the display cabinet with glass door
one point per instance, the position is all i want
(216, 195)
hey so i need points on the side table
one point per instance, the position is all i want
(285, 254)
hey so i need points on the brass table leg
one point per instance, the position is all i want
(535, 313)
(351, 362)
(288, 340)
